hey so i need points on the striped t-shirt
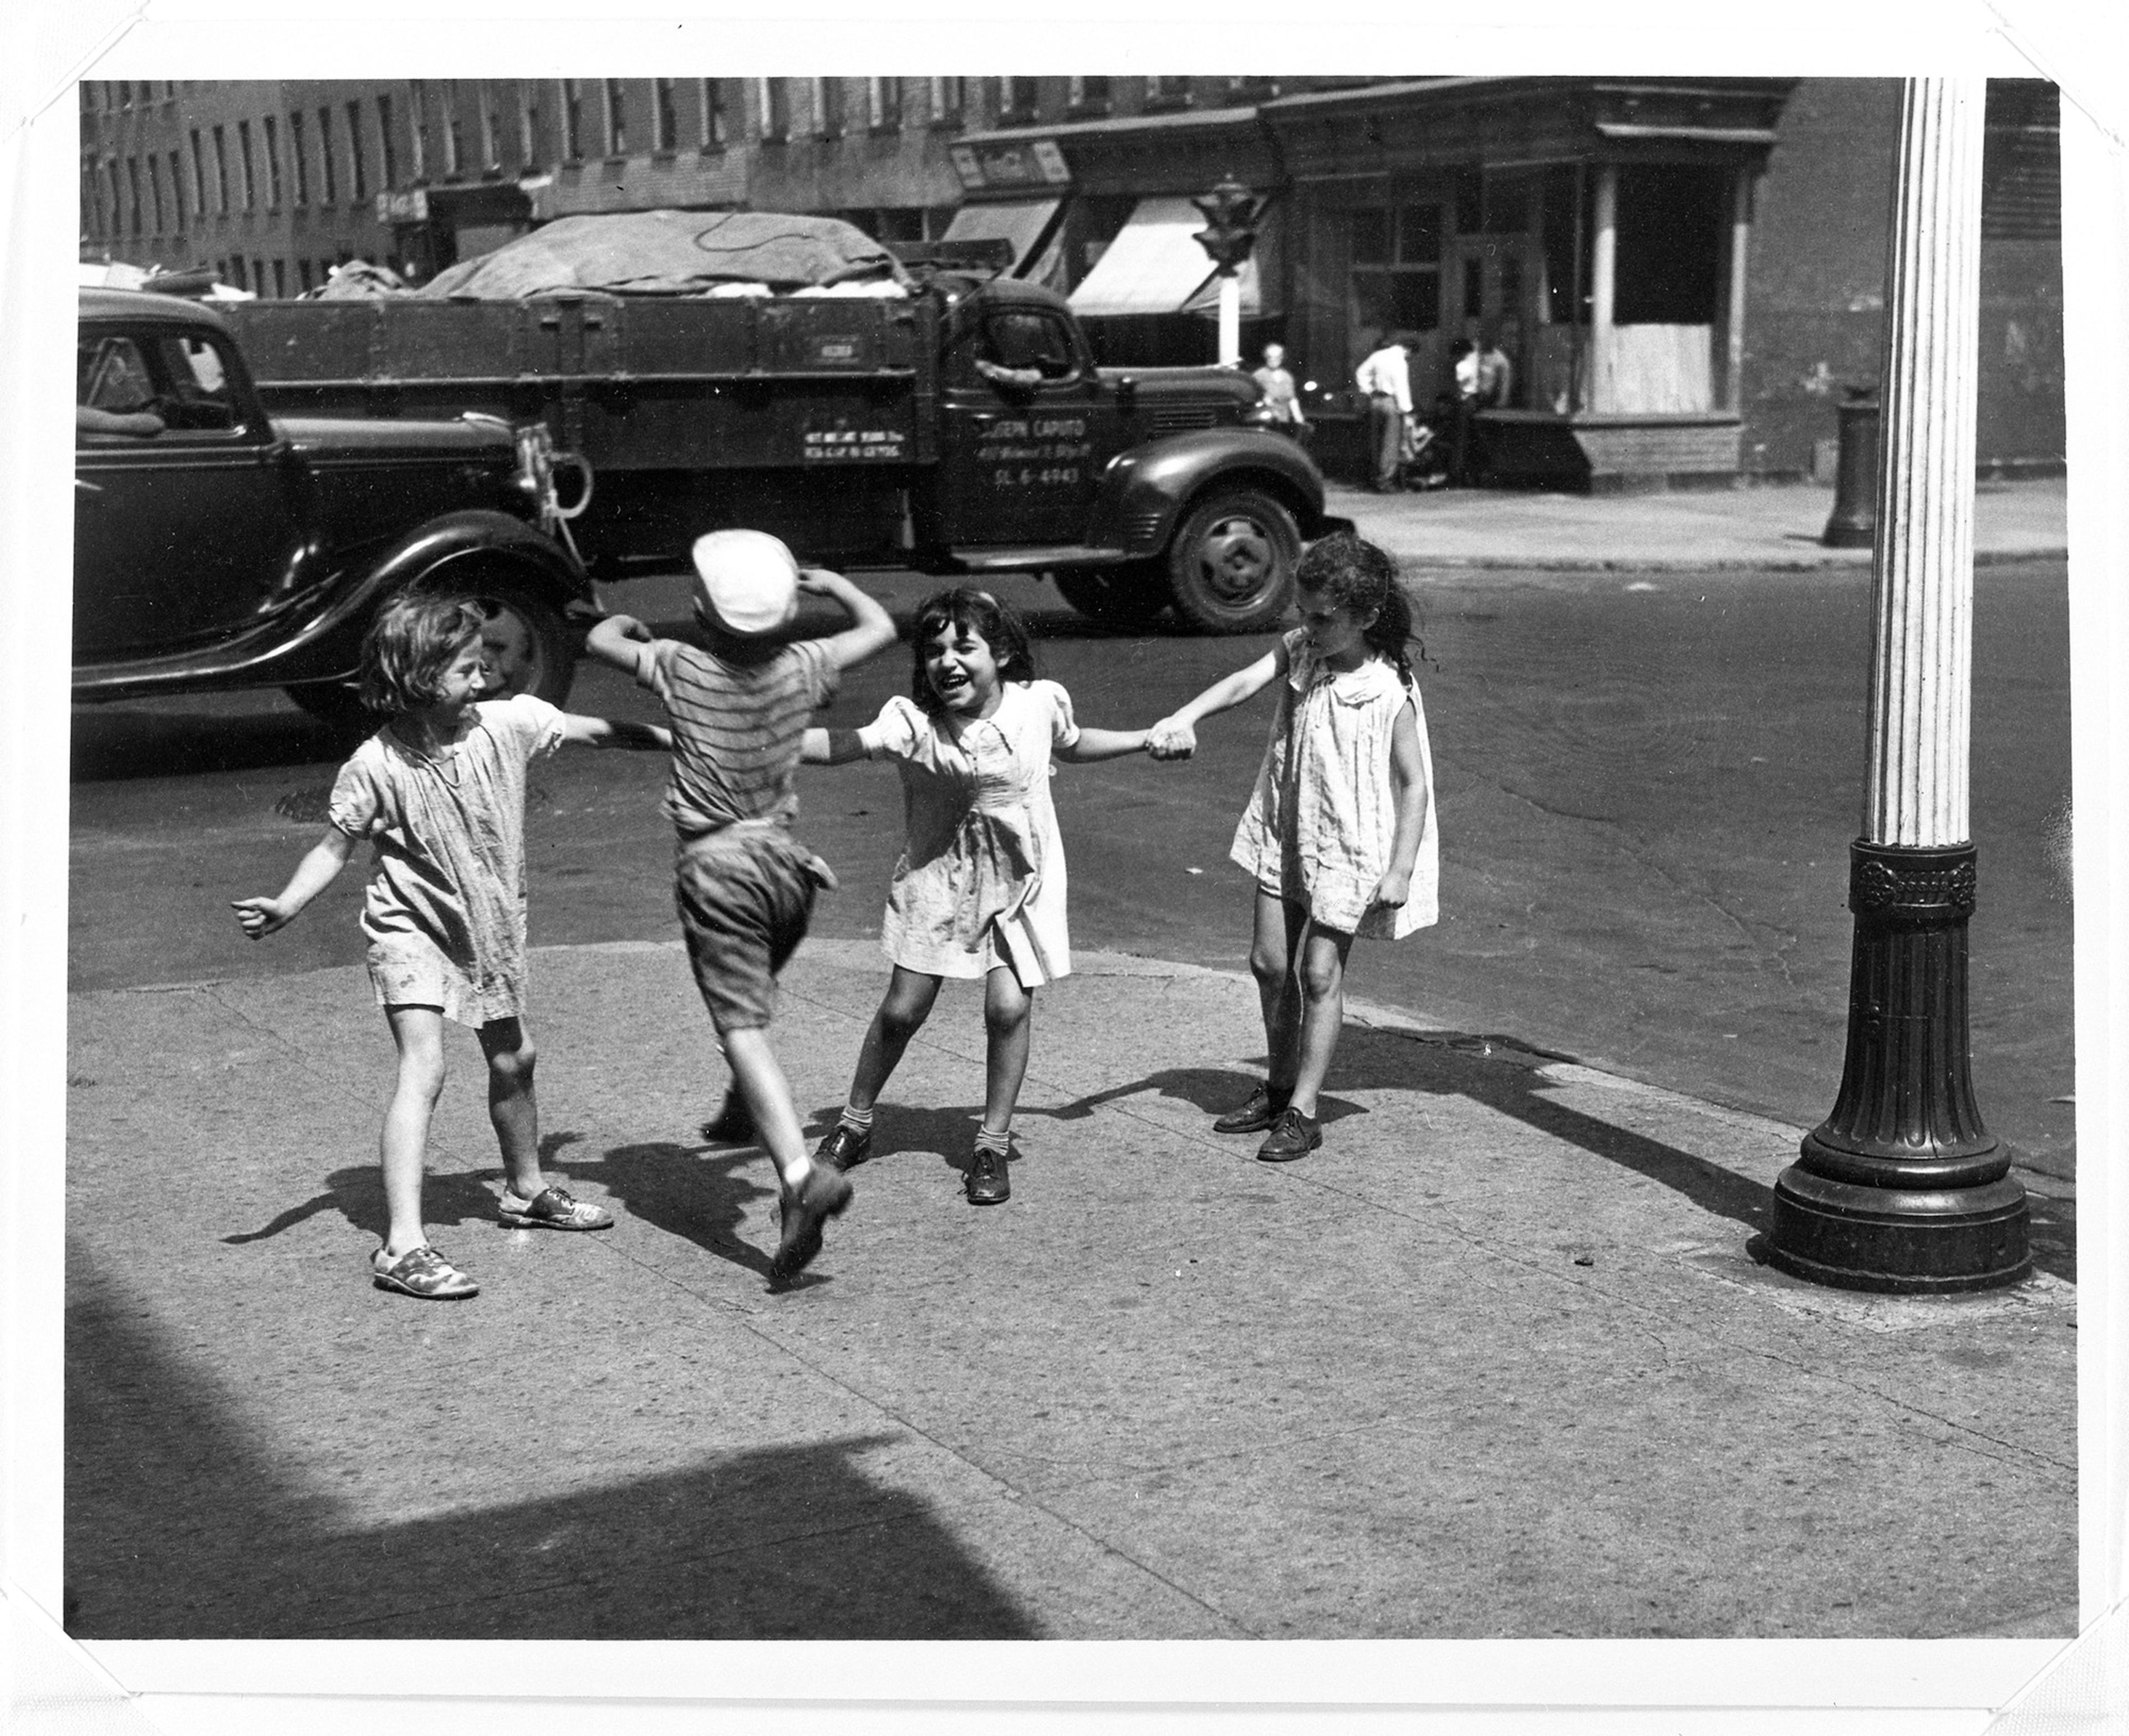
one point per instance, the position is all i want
(736, 728)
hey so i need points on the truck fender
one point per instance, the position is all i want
(1145, 491)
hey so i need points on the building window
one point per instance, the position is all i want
(417, 126)
(715, 125)
(1167, 93)
(273, 128)
(244, 165)
(884, 104)
(329, 194)
(358, 180)
(156, 189)
(177, 194)
(388, 155)
(1020, 99)
(117, 223)
(296, 158)
(454, 137)
(303, 274)
(828, 108)
(281, 280)
(572, 121)
(616, 119)
(528, 130)
(949, 99)
(775, 109)
(221, 173)
(664, 119)
(1089, 95)
(1396, 256)
(491, 130)
(199, 177)
(133, 191)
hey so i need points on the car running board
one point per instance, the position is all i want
(1036, 560)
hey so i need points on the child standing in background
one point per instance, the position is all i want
(440, 789)
(744, 885)
(979, 890)
(1339, 830)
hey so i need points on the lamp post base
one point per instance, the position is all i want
(1903, 1188)
(1900, 1241)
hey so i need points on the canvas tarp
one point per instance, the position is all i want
(673, 253)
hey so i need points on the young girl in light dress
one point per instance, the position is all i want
(440, 791)
(980, 889)
(1339, 830)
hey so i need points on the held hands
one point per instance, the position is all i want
(1391, 891)
(259, 917)
(1168, 740)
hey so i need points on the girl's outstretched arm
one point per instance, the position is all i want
(604, 732)
(830, 747)
(1409, 792)
(1175, 736)
(313, 874)
(1092, 745)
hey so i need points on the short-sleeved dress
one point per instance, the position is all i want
(444, 913)
(981, 880)
(1322, 819)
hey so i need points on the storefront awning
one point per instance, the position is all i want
(1023, 222)
(1155, 265)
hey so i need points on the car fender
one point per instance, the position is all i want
(1144, 491)
(330, 648)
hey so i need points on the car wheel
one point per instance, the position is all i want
(1117, 596)
(1231, 565)
(527, 642)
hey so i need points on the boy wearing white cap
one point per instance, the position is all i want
(745, 885)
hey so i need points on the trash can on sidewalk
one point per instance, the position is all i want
(1853, 521)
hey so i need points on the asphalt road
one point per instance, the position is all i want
(1647, 787)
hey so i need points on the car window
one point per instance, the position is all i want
(199, 383)
(111, 374)
(1030, 340)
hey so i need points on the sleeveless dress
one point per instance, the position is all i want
(1321, 819)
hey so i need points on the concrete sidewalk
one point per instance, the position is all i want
(1493, 1362)
(1774, 527)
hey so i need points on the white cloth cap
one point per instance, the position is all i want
(748, 578)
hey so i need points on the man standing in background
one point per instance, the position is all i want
(1384, 380)
(1279, 397)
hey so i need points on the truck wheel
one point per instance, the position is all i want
(1117, 596)
(1231, 565)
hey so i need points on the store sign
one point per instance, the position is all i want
(411, 207)
(1037, 163)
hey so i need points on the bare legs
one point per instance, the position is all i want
(1009, 1020)
(766, 1095)
(418, 1034)
(1300, 972)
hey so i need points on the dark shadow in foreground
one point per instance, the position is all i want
(179, 1527)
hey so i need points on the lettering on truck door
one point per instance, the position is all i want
(1028, 428)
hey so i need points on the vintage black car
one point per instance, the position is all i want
(216, 547)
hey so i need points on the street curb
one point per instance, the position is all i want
(1832, 558)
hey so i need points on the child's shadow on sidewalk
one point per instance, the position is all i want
(1212, 1090)
(699, 1193)
(452, 1198)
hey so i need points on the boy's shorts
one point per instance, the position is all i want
(745, 895)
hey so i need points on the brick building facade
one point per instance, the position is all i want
(1686, 273)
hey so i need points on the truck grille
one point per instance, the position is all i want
(1181, 418)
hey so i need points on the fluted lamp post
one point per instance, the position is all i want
(1901, 1187)
(1231, 213)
